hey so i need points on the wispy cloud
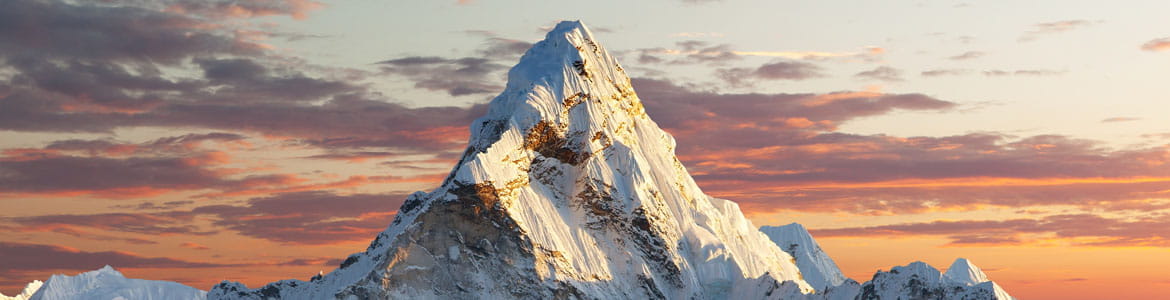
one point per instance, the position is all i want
(968, 55)
(1076, 229)
(1162, 44)
(882, 73)
(781, 70)
(1043, 29)
(1119, 119)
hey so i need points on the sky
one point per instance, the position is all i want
(258, 140)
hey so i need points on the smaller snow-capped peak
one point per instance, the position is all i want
(815, 265)
(962, 271)
(27, 293)
(919, 280)
(108, 283)
(919, 269)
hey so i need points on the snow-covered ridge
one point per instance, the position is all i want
(919, 280)
(27, 293)
(107, 283)
(817, 267)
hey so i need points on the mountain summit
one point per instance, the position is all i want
(567, 189)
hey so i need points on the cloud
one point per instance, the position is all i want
(297, 9)
(498, 47)
(183, 144)
(1162, 44)
(457, 77)
(112, 33)
(968, 55)
(1043, 29)
(154, 224)
(107, 177)
(996, 73)
(945, 72)
(1119, 119)
(782, 70)
(243, 80)
(780, 151)
(868, 54)
(1077, 229)
(882, 73)
(194, 246)
(697, 34)
(22, 257)
(688, 52)
(990, 73)
(311, 217)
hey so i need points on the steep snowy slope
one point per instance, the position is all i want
(107, 283)
(963, 272)
(28, 291)
(921, 281)
(567, 190)
(818, 268)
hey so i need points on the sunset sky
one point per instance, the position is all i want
(258, 140)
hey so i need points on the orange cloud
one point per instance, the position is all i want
(1162, 44)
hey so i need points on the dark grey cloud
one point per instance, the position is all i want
(994, 73)
(1099, 230)
(58, 29)
(243, 80)
(457, 77)
(781, 70)
(761, 149)
(155, 224)
(945, 72)
(308, 217)
(969, 55)
(1119, 119)
(183, 144)
(883, 73)
(69, 174)
(298, 9)
(497, 47)
(22, 257)
(686, 53)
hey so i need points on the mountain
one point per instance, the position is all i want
(107, 283)
(919, 280)
(963, 280)
(817, 268)
(964, 272)
(567, 189)
(28, 291)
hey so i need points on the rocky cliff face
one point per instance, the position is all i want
(567, 189)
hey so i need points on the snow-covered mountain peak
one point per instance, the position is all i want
(920, 270)
(817, 267)
(567, 189)
(108, 283)
(921, 281)
(962, 271)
